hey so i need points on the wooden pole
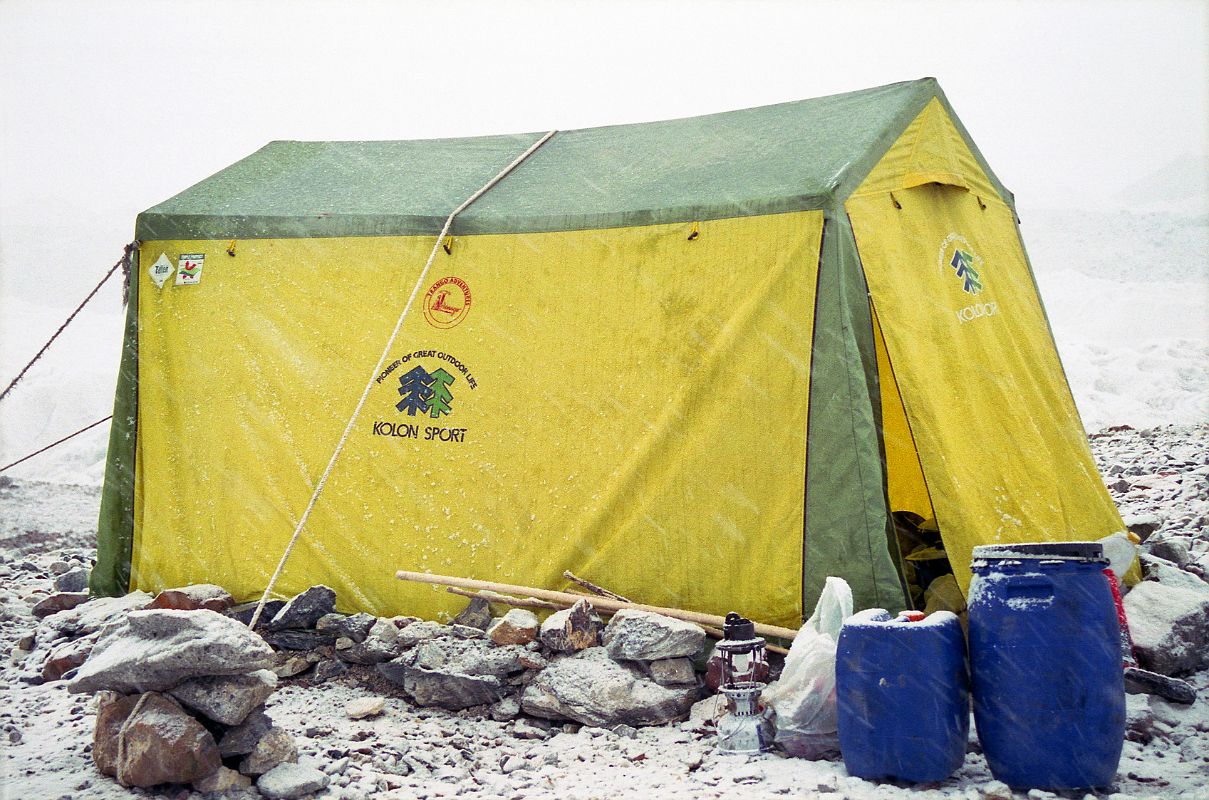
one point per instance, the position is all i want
(602, 603)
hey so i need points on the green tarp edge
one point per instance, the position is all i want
(847, 516)
(153, 226)
(115, 526)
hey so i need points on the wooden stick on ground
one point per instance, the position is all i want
(503, 599)
(602, 603)
(593, 588)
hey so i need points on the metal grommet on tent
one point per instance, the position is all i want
(231, 249)
(894, 200)
(695, 231)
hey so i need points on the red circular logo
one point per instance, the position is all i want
(447, 302)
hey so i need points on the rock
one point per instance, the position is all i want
(157, 649)
(244, 612)
(62, 601)
(592, 689)
(468, 657)
(194, 598)
(364, 707)
(326, 670)
(507, 709)
(74, 580)
(294, 665)
(381, 643)
(112, 711)
(454, 673)
(275, 747)
(222, 782)
(1143, 524)
(161, 743)
(289, 781)
(709, 710)
(673, 672)
(93, 616)
(227, 698)
(526, 729)
(291, 639)
(304, 610)
(68, 656)
(242, 739)
(997, 790)
(1171, 549)
(518, 626)
(449, 690)
(416, 632)
(1168, 574)
(572, 629)
(624, 731)
(476, 614)
(644, 636)
(1170, 627)
(355, 627)
(512, 764)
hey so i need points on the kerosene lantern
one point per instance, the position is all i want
(744, 728)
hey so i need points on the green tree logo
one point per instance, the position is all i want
(425, 392)
(440, 397)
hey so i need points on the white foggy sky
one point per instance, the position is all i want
(111, 107)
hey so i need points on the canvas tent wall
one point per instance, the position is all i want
(697, 361)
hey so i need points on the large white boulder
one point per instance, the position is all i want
(150, 651)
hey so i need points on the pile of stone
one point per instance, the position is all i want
(181, 681)
(636, 671)
(181, 691)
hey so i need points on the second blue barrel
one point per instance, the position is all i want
(902, 695)
(1045, 664)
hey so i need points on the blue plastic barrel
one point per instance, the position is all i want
(902, 696)
(1045, 665)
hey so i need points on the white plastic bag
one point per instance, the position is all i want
(804, 698)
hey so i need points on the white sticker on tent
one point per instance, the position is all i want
(160, 270)
(189, 268)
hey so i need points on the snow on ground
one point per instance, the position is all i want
(428, 753)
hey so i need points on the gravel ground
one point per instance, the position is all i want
(1158, 476)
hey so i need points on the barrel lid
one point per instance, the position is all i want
(1086, 551)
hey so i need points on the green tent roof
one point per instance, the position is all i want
(786, 157)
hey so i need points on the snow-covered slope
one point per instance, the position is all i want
(1127, 294)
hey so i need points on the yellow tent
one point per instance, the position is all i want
(699, 362)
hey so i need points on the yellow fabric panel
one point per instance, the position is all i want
(930, 150)
(637, 415)
(904, 477)
(999, 439)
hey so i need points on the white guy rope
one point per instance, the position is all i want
(378, 367)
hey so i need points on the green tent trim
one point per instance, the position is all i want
(806, 155)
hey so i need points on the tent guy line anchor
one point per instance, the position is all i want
(382, 360)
